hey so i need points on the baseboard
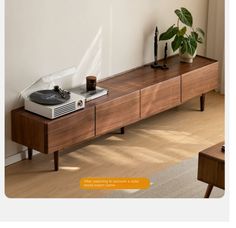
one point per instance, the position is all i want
(17, 157)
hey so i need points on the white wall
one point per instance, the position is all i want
(100, 37)
(216, 36)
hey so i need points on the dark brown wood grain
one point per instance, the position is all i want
(133, 95)
(160, 97)
(48, 136)
(28, 129)
(199, 81)
(211, 166)
(117, 113)
(144, 76)
(208, 191)
(65, 132)
(56, 160)
(30, 153)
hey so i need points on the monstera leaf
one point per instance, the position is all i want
(185, 16)
(171, 32)
(176, 43)
(185, 41)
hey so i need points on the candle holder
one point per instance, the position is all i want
(165, 67)
(156, 65)
(91, 82)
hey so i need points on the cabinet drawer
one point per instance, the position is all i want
(199, 81)
(117, 113)
(67, 131)
(160, 97)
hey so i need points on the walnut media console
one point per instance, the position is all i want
(133, 96)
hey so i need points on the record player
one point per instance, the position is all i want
(53, 103)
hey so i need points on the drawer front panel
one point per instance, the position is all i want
(65, 132)
(199, 81)
(160, 97)
(117, 113)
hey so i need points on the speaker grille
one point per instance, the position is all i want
(67, 108)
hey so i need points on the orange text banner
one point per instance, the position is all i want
(114, 183)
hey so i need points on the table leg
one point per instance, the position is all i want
(202, 102)
(122, 130)
(30, 153)
(56, 160)
(208, 191)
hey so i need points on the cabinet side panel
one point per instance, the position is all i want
(200, 81)
(28, 131)
(207, 169)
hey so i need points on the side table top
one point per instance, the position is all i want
(214, 152)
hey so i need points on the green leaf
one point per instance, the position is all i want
(184, 45)
(182, 31)
(169, 33)
(191, 46)
(193, 42)
(194, 35)
(201, 31)
(176, 43)
(185, 16)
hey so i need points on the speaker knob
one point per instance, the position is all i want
(80, 103)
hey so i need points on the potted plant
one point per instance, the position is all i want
(184, 40)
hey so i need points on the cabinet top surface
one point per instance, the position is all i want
(144, 76)
(137, 79)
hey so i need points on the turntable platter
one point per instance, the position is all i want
(48, 97)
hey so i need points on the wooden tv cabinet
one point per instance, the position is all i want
(133, 95)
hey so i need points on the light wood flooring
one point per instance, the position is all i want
(146, 148)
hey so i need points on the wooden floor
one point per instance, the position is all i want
(146, 148)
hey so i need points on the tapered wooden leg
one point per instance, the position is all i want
(202, 102)
(122, 130)
(30, 153)
(56, 160)
(208, 191)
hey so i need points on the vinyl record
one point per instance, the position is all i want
(48, 97)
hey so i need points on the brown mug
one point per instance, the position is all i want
(91, 82)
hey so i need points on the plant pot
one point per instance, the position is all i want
(186, 57)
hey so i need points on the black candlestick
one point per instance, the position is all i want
(155, 64)
(156, 44)
(165, 58)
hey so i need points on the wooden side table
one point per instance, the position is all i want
(211, 168)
